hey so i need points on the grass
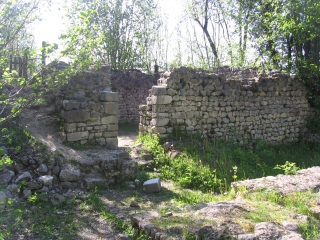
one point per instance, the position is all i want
(211, 165)
(201, 174)
(42, 220)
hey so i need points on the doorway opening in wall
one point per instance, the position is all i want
(127, 134)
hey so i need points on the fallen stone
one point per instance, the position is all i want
(42, 168)
(46, 180)
(26, 176)
(6, 177)
(68, 175)
(146, 156)
(290, 226)
(152, 185)
(137, 182)
(134, 204)
(315, 211)
(168, 214)
(3, 200)
(174, 154)
(27, 193)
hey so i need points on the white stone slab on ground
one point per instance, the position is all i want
(152, 185)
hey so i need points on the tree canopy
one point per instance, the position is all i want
(121, 33)
(127, 34)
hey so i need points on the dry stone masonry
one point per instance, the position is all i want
(133, 88)
(90, 109)
(271, 107)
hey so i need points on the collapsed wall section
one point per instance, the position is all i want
(89, 109)
(273, 108)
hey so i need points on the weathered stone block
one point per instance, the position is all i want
(26, 176)
(160, 122)
(6, 177)
(77, 136)
(143, 107)
(158, 129)
(92, 182)
(162, 99)
(111, 107)
(152, 185)
(94, 121)
(73, 116)
(110, 134)
(70, 127)
(109, 96)
(114, 127)
(110, 120)
(159, 90)
(112, 143)
(46, 180)
(68, 175)
(70, 105)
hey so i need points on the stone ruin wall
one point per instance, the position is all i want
(90, 109)
(272, 107)
(133, 88)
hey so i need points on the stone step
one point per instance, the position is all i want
(91, 182)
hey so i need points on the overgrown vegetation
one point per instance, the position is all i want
(15, 138)
(211, 165)
(208, 166)
(274, 207)
(40, 219)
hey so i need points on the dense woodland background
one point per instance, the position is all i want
(134, 34)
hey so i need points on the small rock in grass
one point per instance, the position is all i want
(152, 185)
(168, 214)
(137, 182)
(132, 186)
(290, 226)
(146, 156)
(134, 204)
